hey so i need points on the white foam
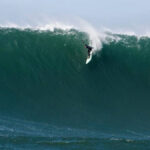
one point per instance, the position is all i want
(94, 36)
(14, 25)
(50, 26)
(128, 32)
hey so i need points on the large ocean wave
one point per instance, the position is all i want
(44, 78)
(46, 69)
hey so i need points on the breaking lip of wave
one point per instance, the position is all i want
(96, 37)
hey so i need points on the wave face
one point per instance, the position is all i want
(43, 78)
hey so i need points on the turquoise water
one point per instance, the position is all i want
(49, 98)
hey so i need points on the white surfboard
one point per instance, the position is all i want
(89, 58)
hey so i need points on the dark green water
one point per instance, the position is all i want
(49, 98)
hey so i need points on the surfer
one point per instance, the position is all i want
(89, 49)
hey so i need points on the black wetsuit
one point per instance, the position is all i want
(89, 49)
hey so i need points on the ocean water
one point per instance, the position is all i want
(50, 99)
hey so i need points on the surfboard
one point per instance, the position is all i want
(89, 58)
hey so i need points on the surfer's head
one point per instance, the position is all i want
(85, 45)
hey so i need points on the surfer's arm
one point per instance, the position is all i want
(91, 47)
